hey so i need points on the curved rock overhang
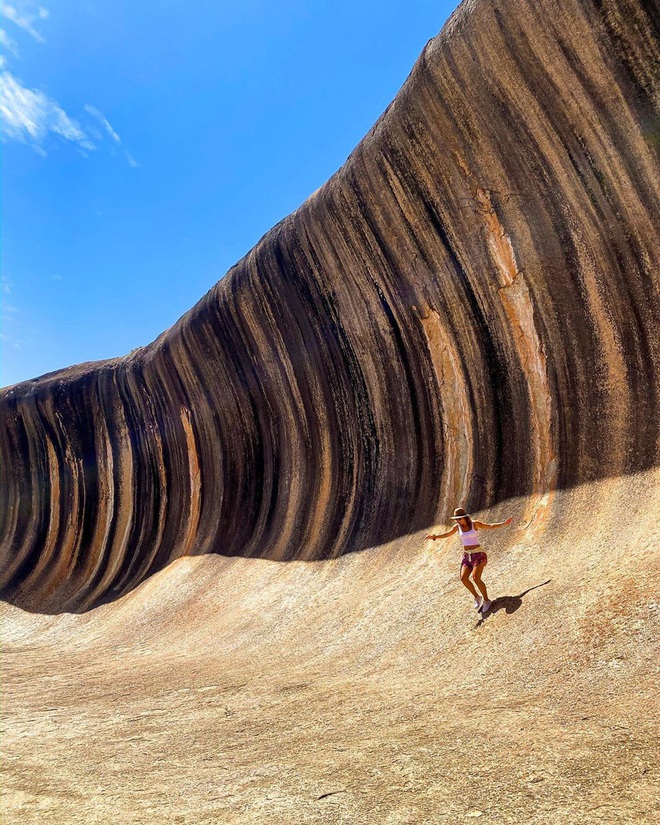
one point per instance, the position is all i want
(467, 311)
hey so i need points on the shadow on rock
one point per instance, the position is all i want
(509, 603)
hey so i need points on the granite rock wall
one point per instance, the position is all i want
(466, 312)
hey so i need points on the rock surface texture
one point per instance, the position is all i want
(467, 311)
(219, 603)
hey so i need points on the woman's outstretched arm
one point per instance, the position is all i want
(483, 525)
(443, 535)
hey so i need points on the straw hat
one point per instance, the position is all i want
(459, 513)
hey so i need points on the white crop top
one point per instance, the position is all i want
(468, 537)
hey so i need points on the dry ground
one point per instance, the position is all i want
(357, 690)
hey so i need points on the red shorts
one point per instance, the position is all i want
(471, 560)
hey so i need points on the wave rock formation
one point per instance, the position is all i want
(466, 312)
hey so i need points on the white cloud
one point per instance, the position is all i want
(25, 20)
(8, 44)
(29, 115)
(102, 119)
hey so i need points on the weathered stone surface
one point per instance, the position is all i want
(466, 312)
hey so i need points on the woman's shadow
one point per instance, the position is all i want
(509, 603)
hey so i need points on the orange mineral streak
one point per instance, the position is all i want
(451, 386)
(187, 545)
(120, 459)
(519, 307)
(96, 554)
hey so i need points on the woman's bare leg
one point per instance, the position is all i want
(476, 575)
(465, 578)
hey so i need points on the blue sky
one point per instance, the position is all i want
(147, 146)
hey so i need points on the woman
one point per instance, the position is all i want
(472, 562)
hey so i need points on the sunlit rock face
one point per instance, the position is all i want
(467, 311)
